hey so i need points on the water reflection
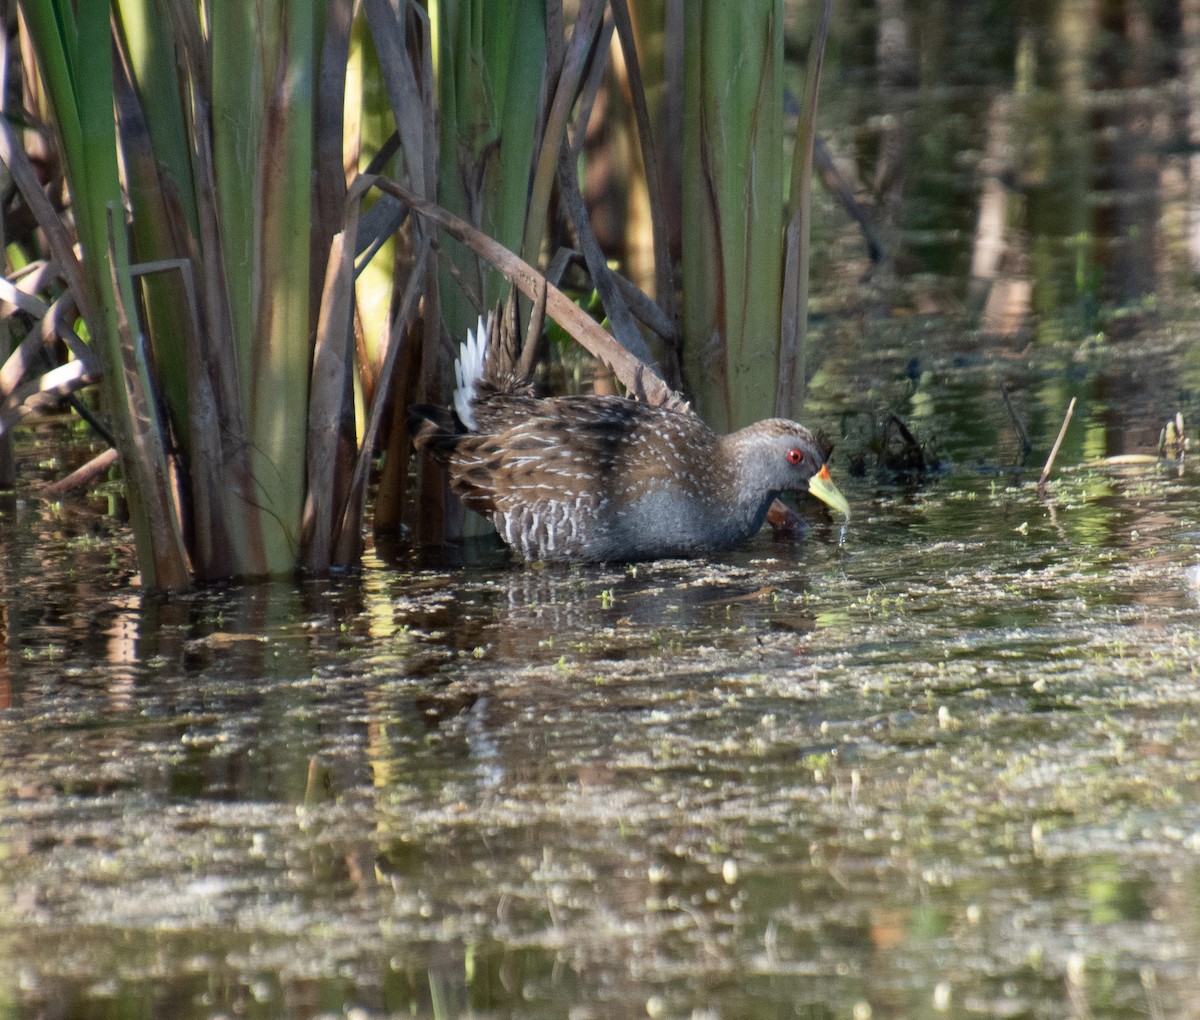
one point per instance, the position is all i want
(1034, 155)
(915, 763)
(697, 793)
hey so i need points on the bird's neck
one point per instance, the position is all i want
(740, 473)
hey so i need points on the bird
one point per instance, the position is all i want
(595, 478)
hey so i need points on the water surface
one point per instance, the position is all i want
(945, 758)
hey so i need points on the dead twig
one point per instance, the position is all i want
(84, 475)
(1054, 449)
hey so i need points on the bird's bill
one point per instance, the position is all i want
(821, 485)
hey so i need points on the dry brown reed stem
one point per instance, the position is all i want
(1057, 443)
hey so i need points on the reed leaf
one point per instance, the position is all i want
(794, 306)
(490, 67)
(732, 201)
(280, 271)
(331, 368)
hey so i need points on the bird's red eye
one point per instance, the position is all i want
(795, 455)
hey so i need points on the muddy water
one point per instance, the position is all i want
(943, 761)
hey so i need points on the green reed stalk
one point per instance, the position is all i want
(491, 59)
(794, 308)
(732, 202)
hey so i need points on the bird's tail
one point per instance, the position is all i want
(485, 367)
(469, 368)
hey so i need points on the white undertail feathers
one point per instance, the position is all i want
(468, 370)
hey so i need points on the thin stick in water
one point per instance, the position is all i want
(84, 475)
(1026, 445)
(1057, 443)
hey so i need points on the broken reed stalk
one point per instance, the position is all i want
(84, 475)
(641, 380)
(1057, 443)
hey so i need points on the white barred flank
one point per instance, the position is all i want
(548, 529)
